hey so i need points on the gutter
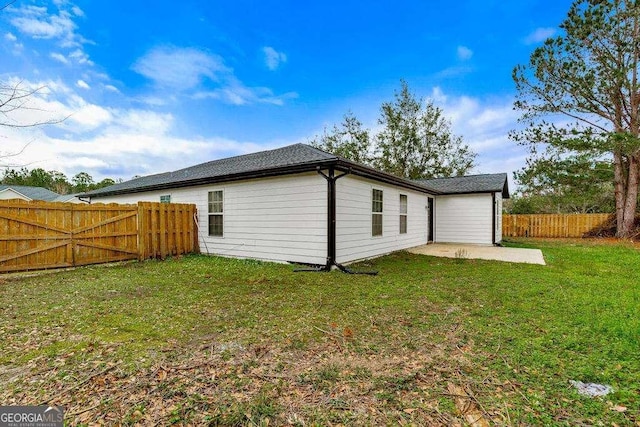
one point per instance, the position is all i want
(284, 170)
(336, 164)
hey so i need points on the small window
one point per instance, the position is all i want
(165, 199)
(216, 213)
(376, 212)
(403, 214)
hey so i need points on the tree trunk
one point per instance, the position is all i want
(620, 191)
(625, 229)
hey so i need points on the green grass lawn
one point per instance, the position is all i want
(428, 341)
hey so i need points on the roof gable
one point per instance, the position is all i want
(32, 193)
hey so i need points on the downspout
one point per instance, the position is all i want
(331, 178)
(331, 215)
(493, 218)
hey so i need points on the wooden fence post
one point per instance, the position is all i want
(142, 231)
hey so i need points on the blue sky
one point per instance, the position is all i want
(152, 87)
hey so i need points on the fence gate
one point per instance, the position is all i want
(39, 235)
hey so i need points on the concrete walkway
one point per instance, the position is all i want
(453, 250)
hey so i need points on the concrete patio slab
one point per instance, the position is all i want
(496, 253)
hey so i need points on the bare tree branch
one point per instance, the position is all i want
(15, 98)
(7, 5)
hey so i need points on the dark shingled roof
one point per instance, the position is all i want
(286, 160)
(290, 156)
(33, 193)
(487, 183)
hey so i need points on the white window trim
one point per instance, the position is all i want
(222, 214)
(377, 236)
(405, 214)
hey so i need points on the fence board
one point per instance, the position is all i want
(38, 235)
(551, 225)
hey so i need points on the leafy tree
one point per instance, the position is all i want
(416, 140)
(53, 180)
(40, 178)
(349, 140)
(573, 184)
(82, 182)
(12, 176)
(580, 95)
(104, 183)
(59, 183)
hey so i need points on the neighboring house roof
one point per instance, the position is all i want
(487, 183)
(31, 193)
(286, 160)
(65, 197)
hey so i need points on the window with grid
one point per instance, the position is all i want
(165, 199)
(376, 212)
(216, 213)
(403, 214)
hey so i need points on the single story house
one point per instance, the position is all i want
(29, 193)
(301, 204)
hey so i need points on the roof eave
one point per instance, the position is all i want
(371, 173)
(264, 173)
(455, 193)
(354, 168)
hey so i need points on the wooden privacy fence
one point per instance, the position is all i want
(38, 235)
(551, 225)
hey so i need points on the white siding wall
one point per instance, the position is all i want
(353, 219)
(465, 218)
(9, 194)
(275, 219)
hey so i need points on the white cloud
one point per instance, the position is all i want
(237, 93)
(179, 68)
(464, 53)
(123, 149)
(438, 96)
(111, 88)
(87, 117)
(82, 84)
(145, 121)
(80, 57)
(10, 37)
(36, 22)
(484, 125)
(155, 101)
(203, 74)
(77, 11)
(455, 71)
(53, 101)
(106, 141)
(59, 57)
(273, 58)
(540, 35)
